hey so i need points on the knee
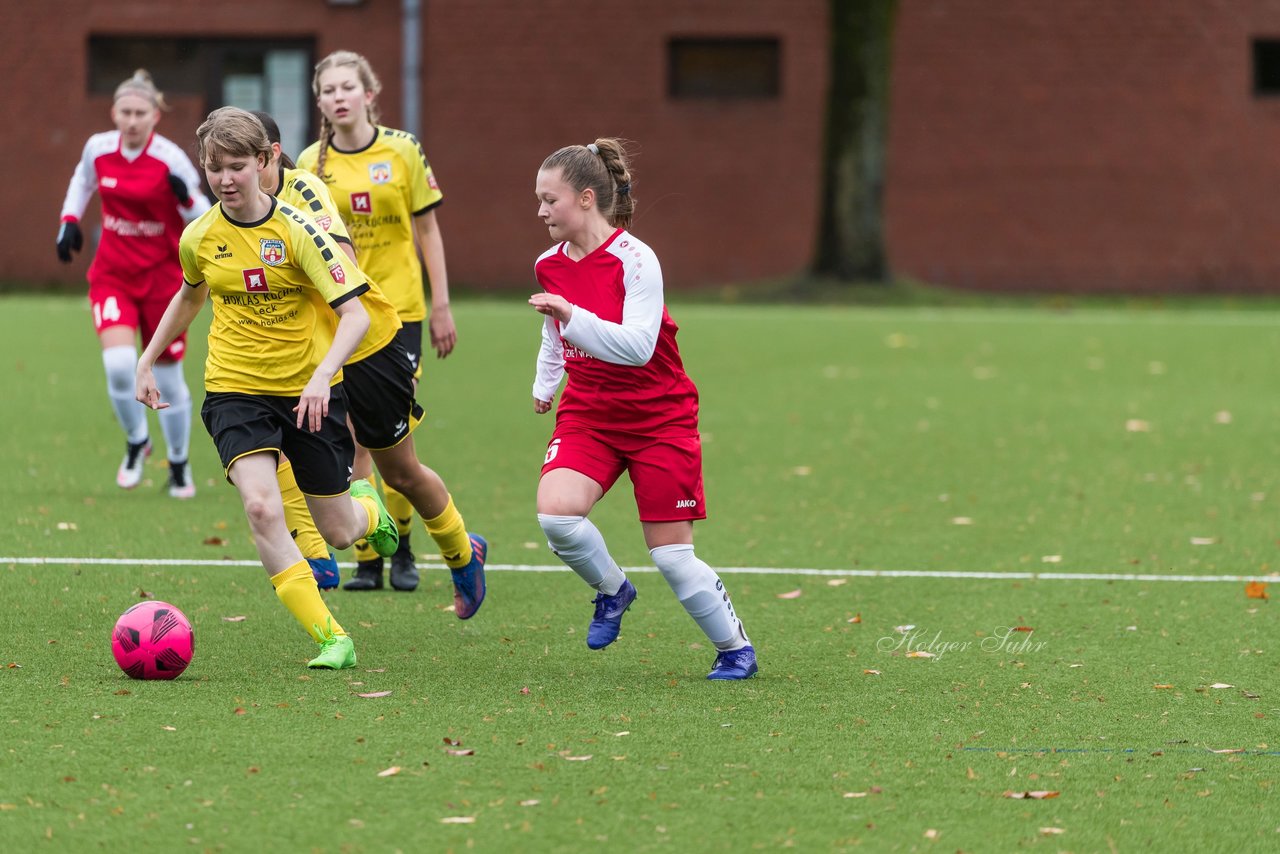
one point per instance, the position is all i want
(262, 514)
(560, 531)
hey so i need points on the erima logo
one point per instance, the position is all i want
(413, 360)
(222, 252)
(686, 502)
(400, 427)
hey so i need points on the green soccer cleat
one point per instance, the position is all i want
(385, 539)
(337, 652)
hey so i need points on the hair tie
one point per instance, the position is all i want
(624, 189)
(593, 148)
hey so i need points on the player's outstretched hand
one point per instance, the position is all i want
(69, 238)
(552, 304)
(146, 391)
(180, 189)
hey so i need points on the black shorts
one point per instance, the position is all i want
(243, 424)
(380, 397)
(410, 335)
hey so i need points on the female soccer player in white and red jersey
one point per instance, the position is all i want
(148, 188)
(628, 404)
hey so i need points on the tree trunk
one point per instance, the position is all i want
(851, 235)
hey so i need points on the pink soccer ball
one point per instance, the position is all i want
(153, 640)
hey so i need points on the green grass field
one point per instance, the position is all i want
(992, 452)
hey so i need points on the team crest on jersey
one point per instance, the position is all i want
(339, 275)
(255, 280)
(272, 252)
(380, 173)
(361, 204)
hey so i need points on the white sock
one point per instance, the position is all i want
(578, 543)
(175, 422)
(702, 594)
(121, 363)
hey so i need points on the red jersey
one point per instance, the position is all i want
(619, 347)
(141, 217)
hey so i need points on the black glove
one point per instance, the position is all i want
(69, 238)
(179, 188)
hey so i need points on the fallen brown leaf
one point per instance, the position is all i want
(793, 594)
(236, 619)
(1162, 686)
(458, 819)
(372, 694)
(1036, 796)
(856, 618)
(214, 541)
(1256, 590)
(464, 751)
(389, 772)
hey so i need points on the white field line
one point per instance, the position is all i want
(743, 570)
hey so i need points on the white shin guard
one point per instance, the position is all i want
(175, 421)
(702, 594)
(121, 365)
(578, 543)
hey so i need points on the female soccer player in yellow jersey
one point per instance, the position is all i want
(273, 373)
(379, 382)
(387, 195)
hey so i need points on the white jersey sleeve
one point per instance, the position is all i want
(550, 369)
(84, 181)
(631, 342)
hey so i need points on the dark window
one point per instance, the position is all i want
(1266, 66)
(256, 74)
(724, 67)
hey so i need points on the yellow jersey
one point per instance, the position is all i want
(378, 190)
(303, 191)
(268, 335)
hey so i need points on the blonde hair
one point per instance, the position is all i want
(232, 132)
(368, 80)
(143, 86)
(603, 167)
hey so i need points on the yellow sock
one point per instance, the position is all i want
(450, 534)
(399, 508)
(371, 508)
(296, 587)
(296, 515)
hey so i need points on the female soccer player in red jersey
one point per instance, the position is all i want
(148, 188)
(628, 404)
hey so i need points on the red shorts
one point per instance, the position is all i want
(139, 305)
(666, 473)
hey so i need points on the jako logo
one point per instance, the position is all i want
(686, 502)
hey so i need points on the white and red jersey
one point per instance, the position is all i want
(141, 217)
(618, 348)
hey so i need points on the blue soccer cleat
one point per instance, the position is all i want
(325, 570)
(607, 621)
(468, 582)
(734, 664)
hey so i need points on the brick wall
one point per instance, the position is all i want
(1089, 145)
(727, 191)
